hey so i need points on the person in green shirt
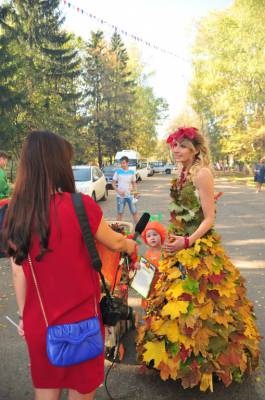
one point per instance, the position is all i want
(4, 186)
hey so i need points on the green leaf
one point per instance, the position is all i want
(191, 286)
(174, 207)
(173, 348)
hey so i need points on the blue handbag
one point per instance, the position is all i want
(70, 344)
(73, 343)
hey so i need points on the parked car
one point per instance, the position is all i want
(90, 180)
(109, 171)
(160, 166)
(150, 169)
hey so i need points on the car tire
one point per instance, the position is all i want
(168, 171)
(94, 196)
(104, 198)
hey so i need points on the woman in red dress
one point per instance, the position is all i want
(41, 221)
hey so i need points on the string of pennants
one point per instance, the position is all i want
(121, 31)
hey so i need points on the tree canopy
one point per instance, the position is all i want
(88, 91)
(228, 89)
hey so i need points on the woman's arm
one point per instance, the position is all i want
(205, 186)
(20, 286)
(114, 240)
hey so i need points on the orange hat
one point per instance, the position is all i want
(155, 226)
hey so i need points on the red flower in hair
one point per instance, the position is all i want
(182, 133)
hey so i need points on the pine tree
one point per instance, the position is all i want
(48, 64)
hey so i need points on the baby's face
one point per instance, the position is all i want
(153, 239)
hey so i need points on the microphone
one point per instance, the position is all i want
(141, 224)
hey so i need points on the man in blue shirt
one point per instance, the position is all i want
(124, 183)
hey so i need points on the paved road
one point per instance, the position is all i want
(240, 220)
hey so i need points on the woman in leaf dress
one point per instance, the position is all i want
(199, 323)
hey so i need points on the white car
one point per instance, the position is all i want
(90, 180)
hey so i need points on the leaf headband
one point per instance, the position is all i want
(182, 133)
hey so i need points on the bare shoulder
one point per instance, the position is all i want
(203, 177)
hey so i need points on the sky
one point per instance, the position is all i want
(169, 24)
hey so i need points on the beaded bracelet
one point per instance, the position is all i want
(186, 242)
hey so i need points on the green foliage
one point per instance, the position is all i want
(88, 92)
(228, 86)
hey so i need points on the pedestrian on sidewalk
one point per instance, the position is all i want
(199, 322)
(124, 184)
(259, 174)
(43, 237)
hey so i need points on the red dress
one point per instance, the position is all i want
(68, 285)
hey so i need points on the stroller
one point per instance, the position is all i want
(116, 270)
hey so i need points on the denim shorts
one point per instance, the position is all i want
(121, 201)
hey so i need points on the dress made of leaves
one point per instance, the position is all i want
(199, 321)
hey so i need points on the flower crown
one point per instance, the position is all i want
(182, 133)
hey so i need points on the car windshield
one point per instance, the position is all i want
(109, 170)
(132, 163)
(82, 174)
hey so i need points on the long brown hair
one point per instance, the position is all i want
(44, 169)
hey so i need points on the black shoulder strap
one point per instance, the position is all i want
(88, 238)
(86, 230)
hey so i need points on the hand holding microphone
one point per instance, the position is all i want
(139, 228)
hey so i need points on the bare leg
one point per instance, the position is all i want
(74, 395)
(258, 187)
(135, 218)
(119, 217)
(47, 394)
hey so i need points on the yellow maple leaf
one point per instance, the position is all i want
(174, 274)
(188, 258)
(201, 297)
(171, 330)
(155, 351)
(197, 247)
(164, 371)
(226, 289)
(202, 340)
(176, 289)
(208, 241)
(209, 260)
(156, 324)
(174, 364)
(206, 382)
(175, 308)
(190, 321)
(223, 319)
(251, 330)
(204, 311)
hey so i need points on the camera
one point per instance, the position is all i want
(113, 310)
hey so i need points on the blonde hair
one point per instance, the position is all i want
(199, 145)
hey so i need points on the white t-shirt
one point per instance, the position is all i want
(124, 178)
